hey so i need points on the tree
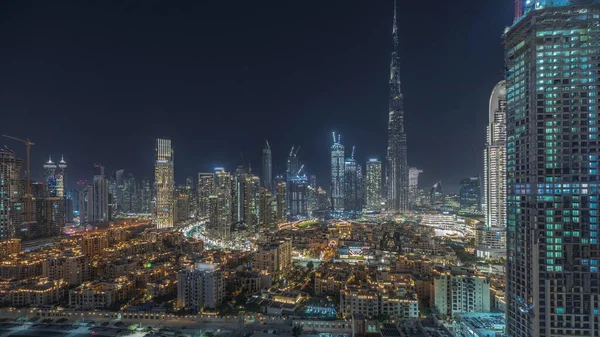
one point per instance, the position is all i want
(383, 317)
(297, 331)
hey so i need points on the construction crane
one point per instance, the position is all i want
(28, 198)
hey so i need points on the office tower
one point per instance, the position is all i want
(360, 187)
(373, 185)
(494, 173)
(200, 287)
(350, 186)
(265, 207)
(97, 197)
(182, 207)
(239, 195)
(128, 191)
(397, 165)
(62, 173)
(116, 187)
(206, 187)
(253, 195)
(436, 195)
(145, 197)
(553, 280)
(49, 216)
(413, 185)
(311, 194)
(281, 199)
(10, 192)
(292, 167)
(267, 167)
(337, 174)
(219, 214)
(470, 195)
(50, 177)
(298, 197)
(164, 184)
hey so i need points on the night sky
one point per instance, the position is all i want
(98, 81)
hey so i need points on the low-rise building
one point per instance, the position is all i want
(100, 295)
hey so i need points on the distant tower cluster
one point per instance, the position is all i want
(397, 164)
(164, 215)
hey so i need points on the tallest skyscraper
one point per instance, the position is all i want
(397, 164)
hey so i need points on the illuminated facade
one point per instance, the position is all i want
(351, 203)
(553, 276)
(281, 199)
(206, 187)
(10, 176)
(397, 164)
(164, 183)
(62, 178)
(219, 216)
(337, 174)
(413, 185)
(373, 185)
(267, 168)
(494, 185)
(97, 197)
(470, 195)
(50, 177)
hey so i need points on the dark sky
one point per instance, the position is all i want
(99, 80)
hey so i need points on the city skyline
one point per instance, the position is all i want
(124, 113)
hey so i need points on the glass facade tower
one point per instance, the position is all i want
(552, 62)
(164, 215)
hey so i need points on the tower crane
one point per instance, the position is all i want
(28, 197)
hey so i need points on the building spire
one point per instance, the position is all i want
(395, 27)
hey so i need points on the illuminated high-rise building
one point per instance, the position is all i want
(470, 195)
(351, 186)
(62, 172)
(373, 185)
(552, 149)
(281, 199)
(436, 195)
(10, 177)
(164, 215)
(337, 174)
(494, 173)
(145, 197)
(265, 207)
(219, 214)
(267, 168)
(298, 197)
(97, 197)
(206, 187)
(413, 186)
(397, 164)
(50, 177)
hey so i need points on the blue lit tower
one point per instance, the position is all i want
(50, 177)
(553, 253)
(337, 174)
(397, 164)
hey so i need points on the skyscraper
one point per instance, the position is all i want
(164, 183)
(206, 187)
(10, 177)
(373, 185)
(494, 173)
(351, 186)
(281, 199)
(97, 198)
(337, 174)
(267, 168)
(397, 164)
(470, 195)
(50, 177)
(553, 277)
(436, 195)
(62, 173)
(413, 185)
